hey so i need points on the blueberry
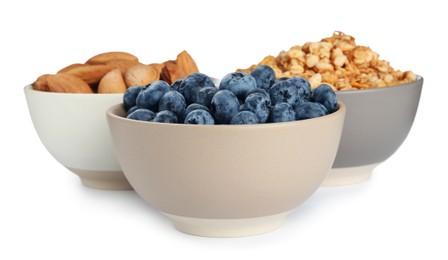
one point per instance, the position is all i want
(165, 116)
(224, 106)
(174, 102)
(325, 95)
(239, 83)
(244, 118)
(280, 79)
(282, 112)
(176, 84)
(195, 106)
(130, 96)
(307, 110)
(264, 76)
(132, 109)
(303, 86)
(199, 117)
(284, 91)
(205, 95)
(149, 98)
(261, 91)
(142, 114)
(256, 103)
(192, 84)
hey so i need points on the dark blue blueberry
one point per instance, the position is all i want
(192, 84)
(282, 112)
(264, 76)
(325, 95)
(205, 95)
(165, 116)
(142, 114)
(174, 102)
(244, 118)
(256, 103)
(284, 91)
(224, 106)
(132, 109)
(195, 106)
(149, 97)
(176, 84)
(130, 96)
(280, 79)
(307, 110)
(239, 83)
(303, 86)
(199, 117)
(263, 92)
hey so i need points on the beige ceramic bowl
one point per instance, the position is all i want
(74, 130)
(225, 180)
(378, 121)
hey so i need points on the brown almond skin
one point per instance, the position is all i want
(112, 82)
(140, 75)
(41, 83)
(186, 62)
(103, 58)
(67, 83)
(172, 72)
(70, 67)
(91, 74)
(122, 65)
(157, 66)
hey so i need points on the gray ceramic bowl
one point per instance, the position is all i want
(74, 130)
(225, 180)
(377, 122)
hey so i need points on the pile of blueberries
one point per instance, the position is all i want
(241, 98)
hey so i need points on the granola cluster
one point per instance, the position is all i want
(337, 61)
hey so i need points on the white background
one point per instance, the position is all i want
(45, 212)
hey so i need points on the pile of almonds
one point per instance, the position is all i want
(114, 72)
(338, 61)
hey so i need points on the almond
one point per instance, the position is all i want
(103, 58)
(122, 65)
(172, 72)
(186, 63)
(41, 83)
(70, 67)
(140, 75)
(67, 83)
(112, 82)
(157, 66)
(91, 74)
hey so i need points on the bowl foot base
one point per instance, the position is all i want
(105, 180)
(349, 175)
(228, 227)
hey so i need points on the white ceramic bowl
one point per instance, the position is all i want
(226, 180)
(74, 130)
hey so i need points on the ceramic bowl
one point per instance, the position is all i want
(378, 121)
(225, 180)
(74, 130)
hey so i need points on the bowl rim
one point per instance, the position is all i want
(340, 111)
(417, 82)
(29, 88)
